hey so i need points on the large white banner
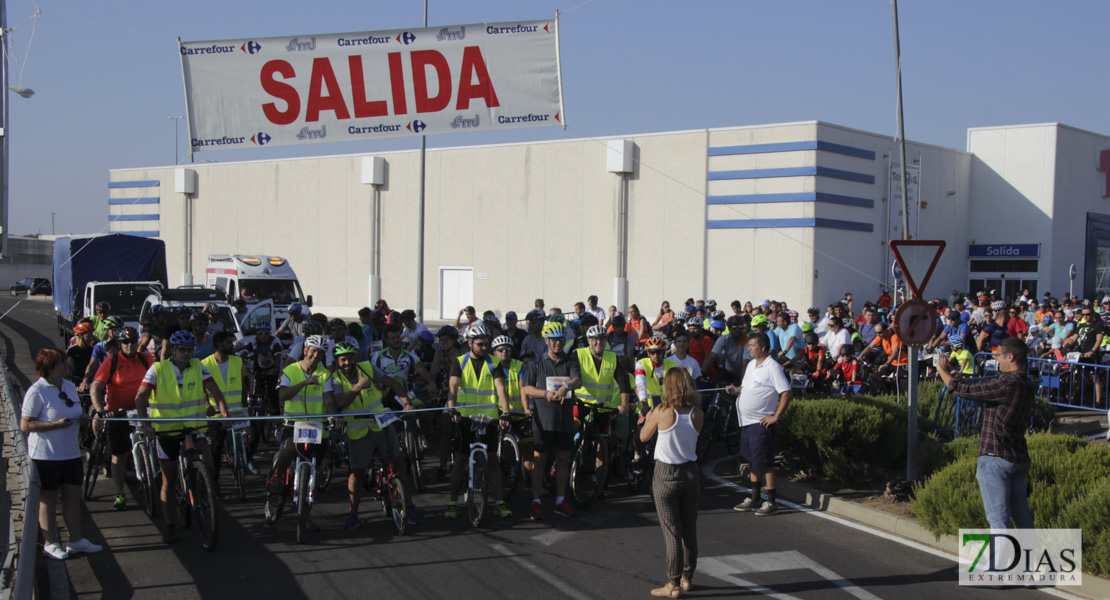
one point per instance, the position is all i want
(357, 86)
(913, 186)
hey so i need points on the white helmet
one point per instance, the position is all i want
(596, 331)
(315, 341)
(477, 330)
(502, 340)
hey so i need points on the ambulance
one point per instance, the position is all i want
(256, 278)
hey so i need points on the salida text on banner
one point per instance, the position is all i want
(356, 86)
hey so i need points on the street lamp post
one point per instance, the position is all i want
(176, 143)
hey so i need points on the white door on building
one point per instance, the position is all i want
(456, 290)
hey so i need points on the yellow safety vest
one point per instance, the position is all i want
(512, 385)
(654, 386)
(232, 388)
(368, 400)
(477, 394)
(310, 400)
(172, 402)
(598, 387)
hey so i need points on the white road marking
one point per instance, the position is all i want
(564, 587)
(707, 471)
(725, 568)
(552, 537)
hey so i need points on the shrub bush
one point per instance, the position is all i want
(846, 440)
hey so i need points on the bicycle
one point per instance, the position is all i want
(300, 478)
(390, 490)
(98, 455)
(591, 461)
(720, 425)
(509, 455)
(235, 452)
(412, 450)
(195, 493)
(147, 467)
(478, 486)
(333, 453)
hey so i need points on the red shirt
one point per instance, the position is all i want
(1017, 327)
(851, 372)
(124, 386)
(700, 347)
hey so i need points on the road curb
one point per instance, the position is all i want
(1094, 587)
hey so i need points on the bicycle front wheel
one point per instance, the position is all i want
(204, 504)
(478, 493)
(148, 493)
(325, 467)
(588, 470)
(509, 457)
(399, 504)
(412, 446)
(304, 474)
(96, 459)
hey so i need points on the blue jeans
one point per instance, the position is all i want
(1002, 485)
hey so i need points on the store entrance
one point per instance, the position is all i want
(1008, 288)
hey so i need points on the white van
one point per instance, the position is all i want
(255, 278)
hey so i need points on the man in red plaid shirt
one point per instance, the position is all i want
(1003, 457)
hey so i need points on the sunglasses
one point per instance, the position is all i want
(654, 352)
(63, 396)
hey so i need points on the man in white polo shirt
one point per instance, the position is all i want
(764, 394)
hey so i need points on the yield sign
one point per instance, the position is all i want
(917, 259)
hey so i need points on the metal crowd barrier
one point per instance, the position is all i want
(23, 555)
(956, 417)
(1066, 383)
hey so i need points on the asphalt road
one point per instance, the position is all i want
(613, 550)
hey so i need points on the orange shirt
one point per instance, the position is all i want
(124, 386)
(893, 348)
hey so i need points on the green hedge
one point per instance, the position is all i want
(1070, 481)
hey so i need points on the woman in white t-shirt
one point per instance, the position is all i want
(50, 416)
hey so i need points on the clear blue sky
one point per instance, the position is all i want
(103, 95)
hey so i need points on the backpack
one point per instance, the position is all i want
(115, 363)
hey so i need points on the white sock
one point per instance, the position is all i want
(559, 500)
(536, 501)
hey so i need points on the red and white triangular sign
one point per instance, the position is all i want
(917, 259)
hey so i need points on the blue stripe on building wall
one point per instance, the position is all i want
(129, 201)
(139, 233)
(134, 184)
(792, 147)
(797, 197)
(132, 218)
(788, 223)
(791, 172)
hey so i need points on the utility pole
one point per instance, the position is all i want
(52, 223)
(176, 143)
(420, 234)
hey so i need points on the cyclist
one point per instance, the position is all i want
(477, 387)
(294, 323)
(80, 353)
(357, 388)
(198, 326)
(296, 350)
(413, 328)
(604, 380)
(515, 333)
(620, 341)
(729, 348)
(761, 324)
(230, 375)
(215, 325)
(961, 358)
(120, 377)
(154, 331)
(174, 388)
(534, 343)
(100, 315)
(263, 358)
(398, 363)
(649, 373)
(700, 343)
(682, 357)
(112, 326)
(450, 350)
(514, 370)
(553, 415)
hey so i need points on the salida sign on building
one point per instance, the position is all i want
(355, 86)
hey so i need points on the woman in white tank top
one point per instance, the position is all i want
(677, 487)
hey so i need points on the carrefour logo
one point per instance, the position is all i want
(406, 38)
(416, 126)
(251, 47)
(260, 138)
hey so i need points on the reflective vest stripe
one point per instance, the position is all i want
(310, 400)
(232, 388)
(170, 401)
(477, 394)
(368, 400)
(598, 387)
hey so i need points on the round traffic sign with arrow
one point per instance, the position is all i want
(915, 322)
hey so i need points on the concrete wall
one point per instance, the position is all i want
(1079, 189)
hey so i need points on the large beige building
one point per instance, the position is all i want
(797, 211)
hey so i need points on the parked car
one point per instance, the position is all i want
(31, 286)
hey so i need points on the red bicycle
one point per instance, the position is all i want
(386, 484)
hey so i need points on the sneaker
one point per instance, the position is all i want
(452, 511)
(351, 522)
(746, 506)
(120, 503)
(503, 510)
(767, 509)
(82, 545)
(414, 517)
(563, 509)
(169, 535)
(54, 551)
(537, 511)
(251, 468)
(270, 519)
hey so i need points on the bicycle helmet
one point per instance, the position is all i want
(655, 343)
(343, 348)
(263, 326)
(426, 336)
(792, 314)
(735, 321)
(554, 329)
(811, 338)
(717, 324)
(695, 322)
(718, 315)
(597, 331)
(183, 338)
(679, 317)
(199, 318)
(807, 327)
(618, 321)
(112, 323)
(813, 310)
(313, 328)
(103, 307)
(315, 341)
(211, 308)
(82, 328)
(998, 305)
(492, 319)
(448, 331)
(956, 341)
(157, 309)
(587, 320)
(534, 314)
(476, 331)
(501, 341)
(557, 318)
(295, 309)
(759, 320)
(337, 322)
(127, 334)
(711, 305)
(690, 310)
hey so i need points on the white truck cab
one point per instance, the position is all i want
(255, 278)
